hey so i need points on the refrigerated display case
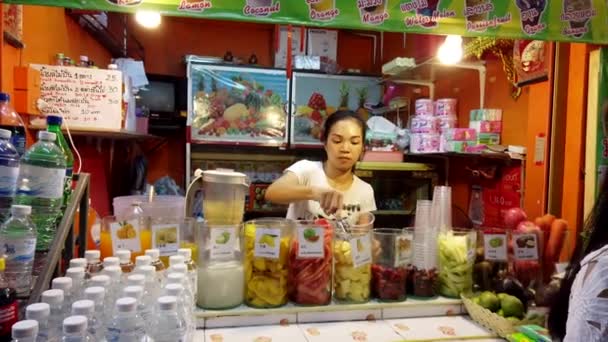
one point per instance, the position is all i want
(316, 96)
(232, 105)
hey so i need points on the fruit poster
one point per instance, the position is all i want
(318, 96)
(602, 133)
(566, 20)
(237, 105)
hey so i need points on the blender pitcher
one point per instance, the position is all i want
(224, 193)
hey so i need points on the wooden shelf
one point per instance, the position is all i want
(387, 166)
(498, 156)
(394, 212)
(115, 135)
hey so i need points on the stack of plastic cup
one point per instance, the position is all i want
(441, 215)
(423, 233)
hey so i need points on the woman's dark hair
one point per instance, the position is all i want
(338, 116)
(596, 237)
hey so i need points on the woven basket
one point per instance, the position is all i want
(488, 319)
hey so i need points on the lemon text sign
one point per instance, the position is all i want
(125, 235)
(267, 243)
(165, 238)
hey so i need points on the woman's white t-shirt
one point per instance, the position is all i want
(360, 195)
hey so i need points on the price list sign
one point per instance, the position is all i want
(87, 98)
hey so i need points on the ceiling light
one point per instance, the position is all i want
(148, 19)
(450, 52)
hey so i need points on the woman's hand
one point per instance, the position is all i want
(331, 201)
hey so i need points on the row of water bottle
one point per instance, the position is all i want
(119, 300)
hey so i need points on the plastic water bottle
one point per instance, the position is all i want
(18, 238)
(64, 284)
(41, 312)
(126, 325)
(54, 125)
(78, 262)
(192, 272)
(94, 264)
(183, 308)
(176, 260)
(115, 274)
(144, 307)
(147, 300)
(110, 296)
(97, 295)
(25, 331)
(143, 260)
(77, 275)
(152, 285)
(169, 326)
(75, 329)
(40, 185)
(111, 261)
(126, 264)
(9, 172)
(86, 308)
(54, 298)
(11, 121)
(180, 278)
(158, 265)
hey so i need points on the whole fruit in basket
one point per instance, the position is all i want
(512, 306)
(490, 301)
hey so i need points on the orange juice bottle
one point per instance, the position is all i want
(92, 231)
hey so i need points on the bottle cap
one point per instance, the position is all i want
(95, 293)
(4, 97)
(5, 134)
(47, 136)
(126, 304)
(38, 311)
(83, 307)
(136, 280)
(74, 324)
(179, 268)
(123, 255)
(147, 271)
(175, 290)
(114, 272)
(52, 297)
(186, 253)
(100, 280)
(176, 260)
(153, 254)
(175, 278)
(143, 260)
(167, 303)
(111, 261)
(78, 262)
(62, 283)
(54, 120)
(20, 210)
(133, 291)
(84, 58)
(76, 273)
(92, 256)
(25, 329)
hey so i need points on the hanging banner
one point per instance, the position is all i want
(566, 20)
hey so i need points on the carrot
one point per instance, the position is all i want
(554, 247)
(545, 222)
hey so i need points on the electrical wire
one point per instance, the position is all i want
(42, 105)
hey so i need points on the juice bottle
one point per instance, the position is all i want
(93, 229)
(105, 238)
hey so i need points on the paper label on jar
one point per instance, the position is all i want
(267, 243)
(125, 235)
(223, 241)
(361, 250)
(495, 247)
(310, 242)
(403, 250)
(525, 246)
(165, 238)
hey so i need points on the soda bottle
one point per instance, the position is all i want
(9, 309)
(11, 121)
(75, 329)
(41, 178)
(18, 238)
(54, 125)
(25, 331)
(169, 325)
(9, 172)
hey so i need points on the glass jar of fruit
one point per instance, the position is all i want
(389, 269)
(221, 271)
(267, 243)
(352, 265)
(457, 251)
(310, 263)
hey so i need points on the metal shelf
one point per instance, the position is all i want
(115, 135)
(388, 166)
